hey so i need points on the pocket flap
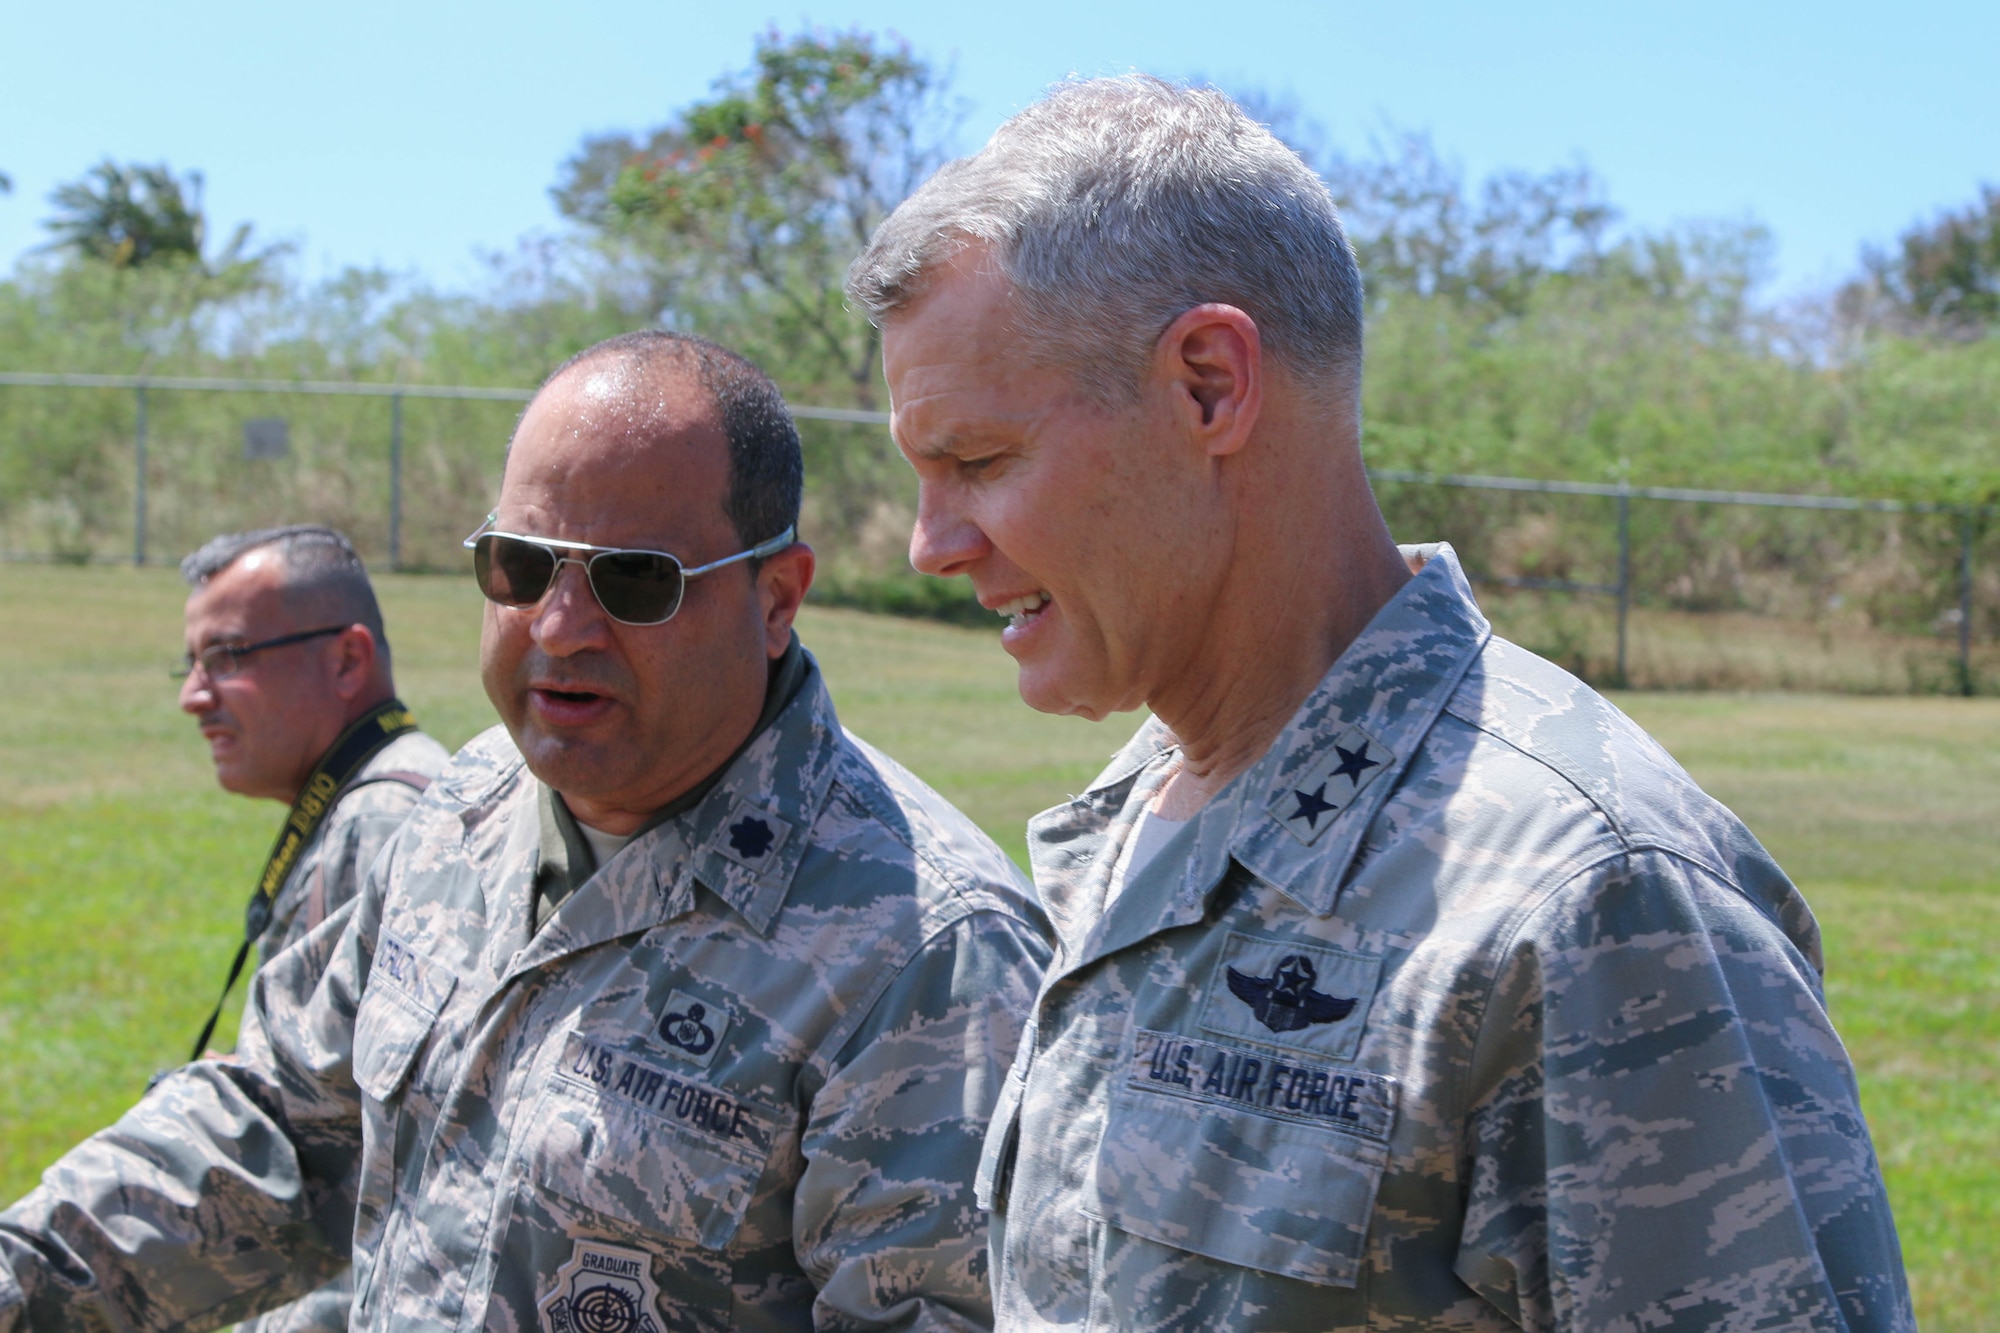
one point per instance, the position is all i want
(647, 1147)
(1246, 1156)
(388, 1033)
(405, 995)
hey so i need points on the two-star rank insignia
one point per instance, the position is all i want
(750, 836)
(1285, 1001)
(1313, 799)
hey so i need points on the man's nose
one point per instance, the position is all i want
(568, 619)
(197, 694)
(944, 541)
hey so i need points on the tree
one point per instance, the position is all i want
(1943, 277)
(743, 211)
(134, 216)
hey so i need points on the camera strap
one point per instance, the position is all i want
(336, 768)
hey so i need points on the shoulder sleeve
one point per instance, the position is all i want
(360, 823)
(884, 1217)
(229, 1189)
(1664, 1130)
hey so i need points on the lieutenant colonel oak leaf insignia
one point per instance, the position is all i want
(749, 836)
(1310, 802)
(1285, 1001)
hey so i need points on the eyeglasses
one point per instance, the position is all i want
(633, 587)
(222, 660)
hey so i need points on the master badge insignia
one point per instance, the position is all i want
(602, 1289)
(691, 1027)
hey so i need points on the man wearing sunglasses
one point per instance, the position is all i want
(671, 1007)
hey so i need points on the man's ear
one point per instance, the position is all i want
(1212, 356)
(782, 582)
(354, 661)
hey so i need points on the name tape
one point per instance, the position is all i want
(1351, 1100)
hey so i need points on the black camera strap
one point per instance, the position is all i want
(336, 768)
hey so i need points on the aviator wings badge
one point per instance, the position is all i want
(1285, 1001)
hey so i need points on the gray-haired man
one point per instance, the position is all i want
(1402, 981)
(288, 673)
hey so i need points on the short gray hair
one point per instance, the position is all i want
(324, 576)
(1113, 206)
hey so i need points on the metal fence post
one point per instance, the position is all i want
(1624, 577)
(396, 481)
(1965, 535)
(139, 482)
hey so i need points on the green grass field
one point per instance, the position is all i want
(123, 868)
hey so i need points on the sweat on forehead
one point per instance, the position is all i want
(638, 394)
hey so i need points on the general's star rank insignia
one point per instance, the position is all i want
(1311, 801)
(750, 836)
(602, 1289)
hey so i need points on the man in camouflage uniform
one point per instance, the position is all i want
(1401, 982)
(286, 652)
(673, 1006)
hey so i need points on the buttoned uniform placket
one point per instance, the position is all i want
(1148, 968)
(1441, 1015)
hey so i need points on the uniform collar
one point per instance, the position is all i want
(751, 829)
(1296, 818)
(742, 836)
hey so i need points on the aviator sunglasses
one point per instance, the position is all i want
(633, 587)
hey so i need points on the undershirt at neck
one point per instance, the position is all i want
(603, 846)
(1142, 845)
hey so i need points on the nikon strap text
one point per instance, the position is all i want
(356, 746)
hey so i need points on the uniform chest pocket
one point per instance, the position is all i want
(389, 1031)
(647, 1148)
(1246, 1156)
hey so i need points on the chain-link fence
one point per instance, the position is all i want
(1646, 586)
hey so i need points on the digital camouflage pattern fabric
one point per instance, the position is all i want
(1464, 1008)
(328, 873)
(738, 1080)
(330, 869)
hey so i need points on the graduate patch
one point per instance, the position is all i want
(1308, 804)
(602, 1289)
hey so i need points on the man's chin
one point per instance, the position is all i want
(567, 762)
(1046, 690)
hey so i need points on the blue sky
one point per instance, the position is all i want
(417, 135)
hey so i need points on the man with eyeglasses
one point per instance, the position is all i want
(288, 673)
(672, 1006)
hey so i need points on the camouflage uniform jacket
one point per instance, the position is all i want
(1462, 1008)
(370, 808)
(328, 872)
(738, 1080)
